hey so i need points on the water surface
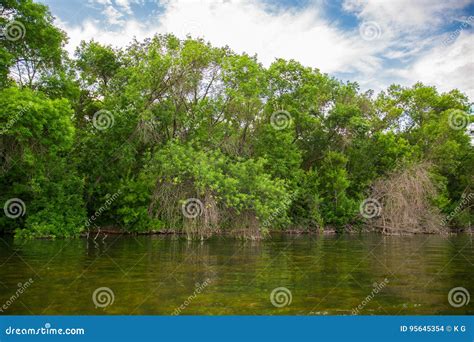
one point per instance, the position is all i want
(324, 275)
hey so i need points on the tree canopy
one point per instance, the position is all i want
(127, 137)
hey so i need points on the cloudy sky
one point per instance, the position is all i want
(373, 42)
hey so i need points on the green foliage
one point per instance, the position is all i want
(240, 185)
(57, 208)
(306, 205)
(337, 207)
(277, 147)
(37, 44)
(97, 64)
(36, 139)
(189, 120)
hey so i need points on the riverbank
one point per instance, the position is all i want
(240, 234)
(109, 230)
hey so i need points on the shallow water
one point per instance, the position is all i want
(164, 275)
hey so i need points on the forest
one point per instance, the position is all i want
(179, 136)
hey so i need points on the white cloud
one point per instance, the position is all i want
(447, 66)
(406, 15)
(409, 28)
(93, 29)
(113, 16)
(100, 2)
(307, 36)
(248, 26)
(125, 5)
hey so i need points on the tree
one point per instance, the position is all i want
(36, 166)
(165, 120)
(31, 45)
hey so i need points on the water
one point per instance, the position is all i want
(157, 275)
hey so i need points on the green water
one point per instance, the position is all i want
(156, 275)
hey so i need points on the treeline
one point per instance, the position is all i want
(179, 136)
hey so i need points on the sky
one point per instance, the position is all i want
(373, 42)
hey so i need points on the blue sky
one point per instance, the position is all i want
(373, 42)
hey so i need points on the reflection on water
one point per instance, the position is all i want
(166, 275)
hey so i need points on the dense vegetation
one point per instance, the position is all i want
(124, 137)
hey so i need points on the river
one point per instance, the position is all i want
(294, 275)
